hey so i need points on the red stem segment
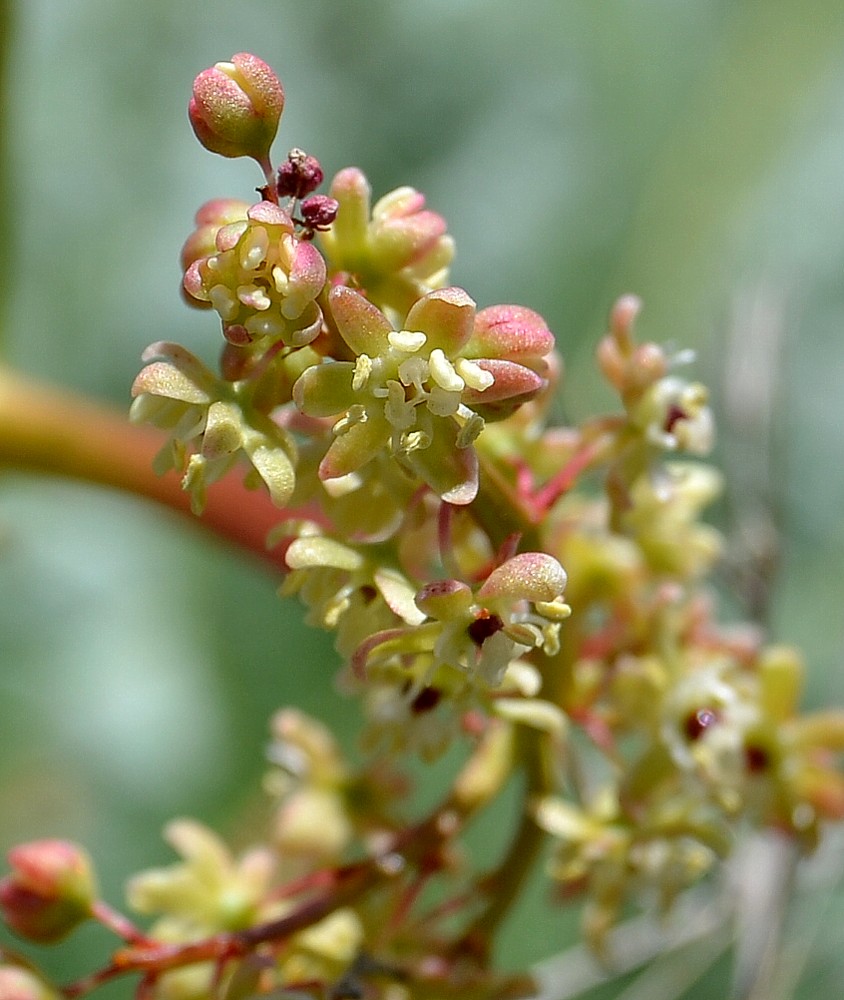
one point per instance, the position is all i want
(51, 431)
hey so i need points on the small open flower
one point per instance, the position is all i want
(480, 632)
(208, 890)
(706, 716)
(662, 853)
(209, 426)
(411, 391)
(663, 517)
(345, 591)
(260, 278)
(674, 416)
(311, 779)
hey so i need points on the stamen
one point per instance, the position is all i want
(443, 373)
(281, 280)
(354, 415)
(414, 441)
(400, 413)
(413, 371)
(408, 341)
(265, 325)
(254, 297)
(253, 249)
(442, 403)
(224, 302)
(363, 370)
(473, 375)
(471, 429)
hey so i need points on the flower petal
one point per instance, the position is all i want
(446, 317)
(345, 242)
(163, 379)
(511, 332)
(315, 550)
(451, 472)
(273, 465)
(223, 434)
(353, 448)
(513, 383)
(531, 576)
(398, 595)
(361, 324)
(399, 242)
(324, 390)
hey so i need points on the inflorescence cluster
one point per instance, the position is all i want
(426, 513)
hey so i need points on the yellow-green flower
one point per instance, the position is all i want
(413, 391)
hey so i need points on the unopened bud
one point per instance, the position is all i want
(17, 983)
(236, 107)
(49, 891)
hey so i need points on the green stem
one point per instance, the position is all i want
(504, 886)
(44, 430)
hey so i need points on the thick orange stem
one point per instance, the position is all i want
(51, 431)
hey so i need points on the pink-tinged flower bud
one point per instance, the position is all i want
(444, 598)
(512, 333)
(18, 983)
(50, 890)
(534, 576)
(236, 107)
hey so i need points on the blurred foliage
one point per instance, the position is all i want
(690, 152)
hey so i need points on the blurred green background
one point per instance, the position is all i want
(691, 152)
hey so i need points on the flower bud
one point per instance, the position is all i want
(236, 107)
(49, 891)
(17, 983)
(513, 333)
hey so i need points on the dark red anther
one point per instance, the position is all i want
(299, 175)
(427, 699)
(319, 210)
(674, 414)
(237, 334)
(698, 722)
(756, 759)
(484, 625)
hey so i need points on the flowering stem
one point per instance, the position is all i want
(118, 924)
(590, 454)
(154, 957)
(420, 844)
(502, 514)
(499, 510)
(49, 431)
(269, 175)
